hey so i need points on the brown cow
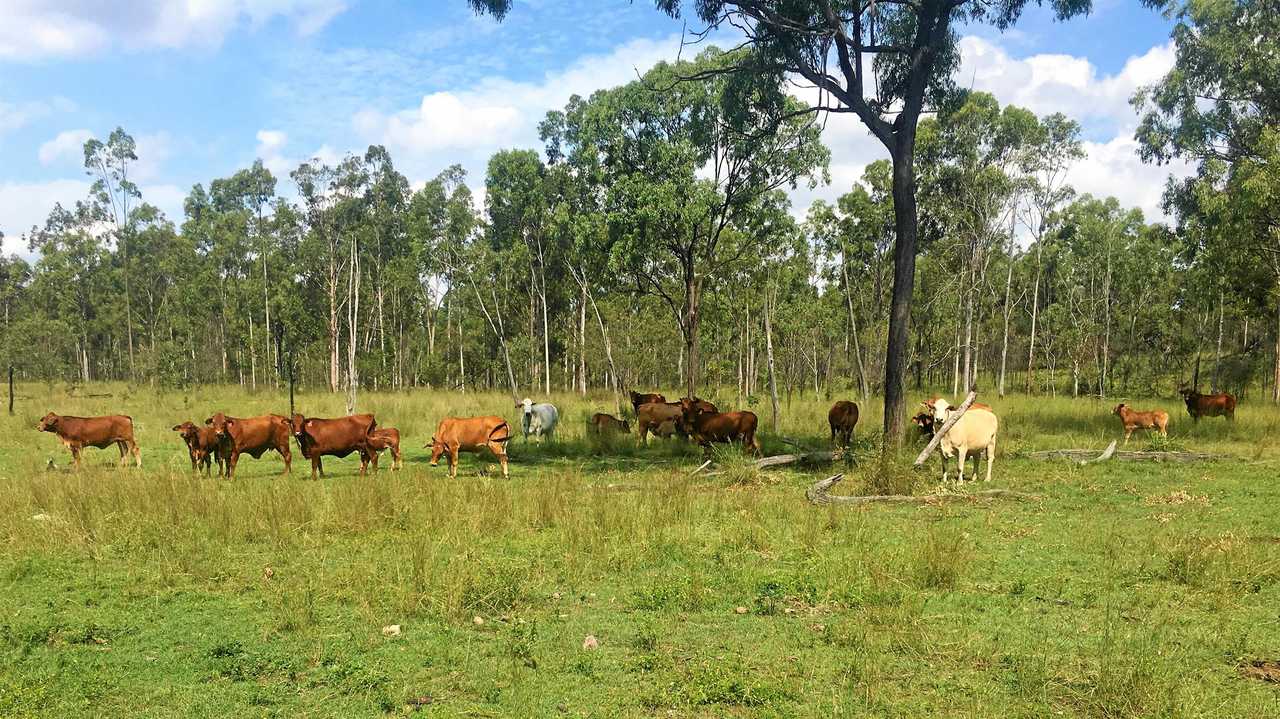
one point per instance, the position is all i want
(924, 421)
(653, 415)
(337, 437)
(77, 433)
(202, 444)
(470, 434)
(702, 404)
(1131, 419)
(602, 423)
(638, 398)
(252, 436)
(842, 417)
(384, 438)
(1209, 405)
(726, 427)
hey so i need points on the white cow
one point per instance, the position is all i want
(973, 432)
(538, 419)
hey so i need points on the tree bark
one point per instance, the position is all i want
(853, 331)
(1035, 309)
(768, 348)
(1008, 310)
(904, 279)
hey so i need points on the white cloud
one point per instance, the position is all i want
(66, 146)
(24, 205)
(497, 112)
(1060, 83)
(1113, 169)
(31, 29)
(16, 115)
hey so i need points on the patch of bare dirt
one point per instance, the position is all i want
(1264, 670)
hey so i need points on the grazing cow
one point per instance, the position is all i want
(470, 434)
(202, 444)
(538, 420)
(608, 424)
(77, 433)
(252, 436)
(659, 417)
(842, 418)
(384, 438)
(1209, 405)
(973, 432)
(638, 399)
(1132, 419)
(724, 427)
(337, 437)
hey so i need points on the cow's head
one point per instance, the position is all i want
(526, 405)
(297, 425)
(1186, 392)
(437, 449)
(924, 420)
(221, 425)
(186, 430)
(1119, 410)
(939, 409)
(48, 423)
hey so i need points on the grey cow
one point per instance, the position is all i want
(538, 420)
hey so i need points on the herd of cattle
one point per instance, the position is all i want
(224, 439)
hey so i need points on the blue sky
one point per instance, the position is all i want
(208, 87)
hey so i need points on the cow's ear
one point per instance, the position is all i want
(177, 428)
(951, 408)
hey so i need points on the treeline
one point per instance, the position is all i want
(649, 242)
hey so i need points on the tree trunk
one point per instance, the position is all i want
(353, 319)
(546, 328)
(1217, 357)
(693, 289)
(853, 331)
(904, 279)
(1008, 310)
(1035, 309)
(768, 348)
(1275, 384)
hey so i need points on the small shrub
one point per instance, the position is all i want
(942, 559)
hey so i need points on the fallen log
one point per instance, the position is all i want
(781, 459)
(819, 494)
(1087, 456)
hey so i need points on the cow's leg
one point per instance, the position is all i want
(943, 456)
(501, 453)
(124, 453)
(232, 462)
(75, 455)
(1127, 432)
(374, 460)
(453, 463)
(398, 458)
(364, 463)
(137, 453)
(962, 452)
(991, 457)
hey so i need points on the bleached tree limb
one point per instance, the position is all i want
(946, 427)
(819, 494)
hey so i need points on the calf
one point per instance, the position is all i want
(1132, 419)
(975, 431)
(334, 437)
(655, 416)
(638, 399)
(77, 433)
(470, 434)
(538, 420)
(252, 436)
(1209, 405)
(842, 417)
(384, 438)
(202, 444)
(601, 423)
(725, 427)
(924, 422)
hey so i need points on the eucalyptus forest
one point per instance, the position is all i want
(651, 241)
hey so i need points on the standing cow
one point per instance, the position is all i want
(334, 437)
(601, 423)
(975, 431)
(723, 427)
(382, 439)
(639, 398)
(202, 444)
(538, 420)
(842, 418)
(660, 418)
(252, 436)
(470, 434)
(1209, 405)
(77, 433)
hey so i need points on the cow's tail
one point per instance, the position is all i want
(503, 426)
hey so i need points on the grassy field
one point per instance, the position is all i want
(1127, 590)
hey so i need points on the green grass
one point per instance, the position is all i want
(1129, 590)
